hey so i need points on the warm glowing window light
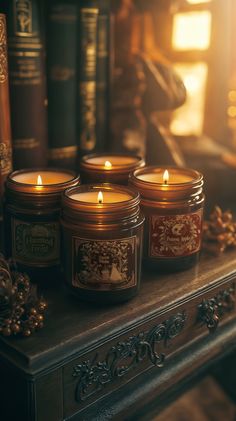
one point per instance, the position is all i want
(231, 111)
(198, 1)
(188, 119)
(232, 95)
(191, 31)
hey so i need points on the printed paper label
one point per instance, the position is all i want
(104, 264)
(175, 235)
(36, 243)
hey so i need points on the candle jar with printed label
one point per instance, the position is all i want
(31, 212)
(173, 209)
(102, 238)
(109, 168)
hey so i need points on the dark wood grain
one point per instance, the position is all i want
(49, 396)
(74, 326)
(88, 353)
(225, 375)
(145, 396)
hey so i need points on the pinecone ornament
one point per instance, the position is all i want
(21, 311)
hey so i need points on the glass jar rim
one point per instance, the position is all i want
(125, 167)
(101, 208)
(29, 188)
(167, 191)
(195, 175)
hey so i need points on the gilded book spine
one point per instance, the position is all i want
(88, 23)
(103, 79)
(27, 83)
(61, 71)
(5, 126)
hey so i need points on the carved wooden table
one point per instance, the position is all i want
(126, 361)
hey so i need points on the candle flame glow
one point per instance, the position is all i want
(166, 177)
(100, 197)
(108, 164)
(39, 180)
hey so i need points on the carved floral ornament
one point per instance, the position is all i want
(210, 311)
(93, 375)
(3, 51)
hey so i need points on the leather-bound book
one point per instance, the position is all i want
(104, 54)
(27, 82)
(87, 70)
(93, 74)
(5, 126)
(61, 71)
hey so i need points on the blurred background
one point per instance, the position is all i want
(161, 43)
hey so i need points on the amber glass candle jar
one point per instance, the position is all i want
(109, 168)
(32, 210)
(172, 202)
(102, 239)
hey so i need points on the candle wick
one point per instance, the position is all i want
(165, 182)
(100, 198)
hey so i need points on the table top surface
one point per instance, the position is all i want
(73, 326)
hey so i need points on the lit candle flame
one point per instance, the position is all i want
(166, 177)
(39, 181)
(108, 164)
(100, 197)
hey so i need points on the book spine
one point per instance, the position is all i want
(27, 83)
(103, 79)
(87, 50)
(5, 126)
(61, 72)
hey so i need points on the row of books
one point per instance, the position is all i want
(58, 63)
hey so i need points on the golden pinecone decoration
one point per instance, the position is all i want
(219, 232)
(21, 311)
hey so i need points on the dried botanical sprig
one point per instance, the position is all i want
(21, 311)
(219, 233)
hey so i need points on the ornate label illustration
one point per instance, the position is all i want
(175, 235)
(36, 243)
(23, 17)
(104, 264)
(3, 51)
